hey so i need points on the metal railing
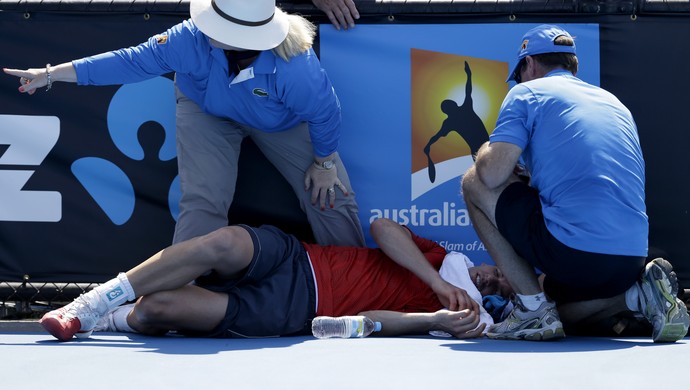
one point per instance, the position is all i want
(371, 7)
(27, 300)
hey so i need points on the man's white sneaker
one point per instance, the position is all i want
(75, 319)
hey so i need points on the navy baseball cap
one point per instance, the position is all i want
(540, 40)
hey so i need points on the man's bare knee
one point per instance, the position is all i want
(223, 241)
(228, 250)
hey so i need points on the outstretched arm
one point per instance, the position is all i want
(396, 242)
(461, 324)
(31, 79)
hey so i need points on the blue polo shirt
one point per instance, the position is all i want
(581, 146)
(271, 95)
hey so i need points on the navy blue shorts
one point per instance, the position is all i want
(571, 275)
(275, 297)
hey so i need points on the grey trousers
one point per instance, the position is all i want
(208, 149)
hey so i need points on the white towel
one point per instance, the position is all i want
(455, 270)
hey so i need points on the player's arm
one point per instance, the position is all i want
(397, 243)
(461, 324)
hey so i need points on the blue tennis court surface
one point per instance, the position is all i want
(129, 361)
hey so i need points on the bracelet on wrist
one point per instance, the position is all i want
(49, 79)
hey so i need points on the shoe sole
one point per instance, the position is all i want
(549, 334)
(673, 324)
(56, 328)
(83, 334)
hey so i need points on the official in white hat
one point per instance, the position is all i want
(242, 69)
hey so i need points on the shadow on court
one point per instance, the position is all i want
(172, 344)
(567, 345)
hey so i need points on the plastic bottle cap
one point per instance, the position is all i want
(377, 326)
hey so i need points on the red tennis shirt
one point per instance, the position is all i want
(350, 280)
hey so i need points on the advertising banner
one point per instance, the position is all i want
(87, 174)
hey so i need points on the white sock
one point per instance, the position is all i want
(113, 293)
(532, 302)
(632, 298)
(120, 318)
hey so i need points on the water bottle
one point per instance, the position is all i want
(324, 327)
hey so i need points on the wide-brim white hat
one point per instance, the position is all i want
(244, 24)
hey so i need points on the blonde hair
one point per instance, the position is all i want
(300, 38)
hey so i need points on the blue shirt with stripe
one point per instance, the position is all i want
(581, 146)
(271, 95)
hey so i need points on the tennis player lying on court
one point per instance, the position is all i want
(258, 282)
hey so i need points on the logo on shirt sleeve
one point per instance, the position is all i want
(161, 39)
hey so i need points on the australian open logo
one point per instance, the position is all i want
(115, 293)
(455, 104)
